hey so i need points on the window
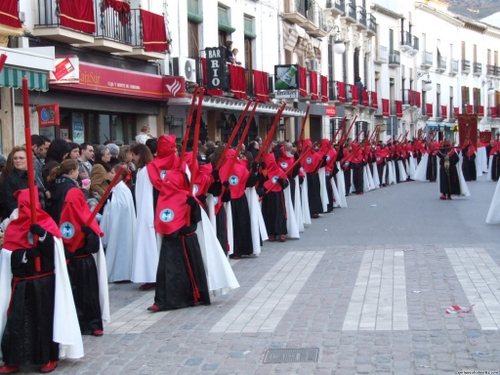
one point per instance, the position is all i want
(249, 27)
(225, 20)
(474, 51)
(464, 54)
(452, 108)
(193, 43)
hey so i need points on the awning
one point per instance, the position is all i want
(12, 77)
(440, 125)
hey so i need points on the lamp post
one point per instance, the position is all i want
(339, 44)
(426, 83)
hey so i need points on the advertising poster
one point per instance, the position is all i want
(78, 132)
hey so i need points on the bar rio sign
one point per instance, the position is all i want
(217, 74)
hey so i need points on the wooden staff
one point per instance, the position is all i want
(341, 126)
(267, 141)
(233, 135)
(31, 171)
(245, 131)
(188, 122)
(3, 58)
(299, 159)
(301, 137)
(344, 136)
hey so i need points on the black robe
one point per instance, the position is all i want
(329, 190)
(431, 173)
(313, 194)
(274, 213)
(469, 165)
(449, 183)
(27, 339)
(357, 177)
(181, 270)
(82, 272)
(495, 166)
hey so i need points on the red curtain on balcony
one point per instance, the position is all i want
(444, 111)
(261, 85)
(480, 110)
(399, 108)
(417, 99)
(213, 92)
(469, 109)
(493, 112)
(428, 110)
(365, 100)
(313, 84)
(354, 95)
(77, 15)
(456, 111)
(238, 81)
(385, 107)
(120, 7)
(324, 89)
(411, 97)
(374, 100)
(341, 91)
(302, 81)
(9, 15)
(154, 38)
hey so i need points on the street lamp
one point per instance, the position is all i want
(426, 83)
(491, 89)
(339, 46)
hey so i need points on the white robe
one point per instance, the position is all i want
(322, 186)
(481, 161)
(376, 179)
(305, 201)
(119, 226)
(220, 275)
(66, 327)
(291, 220)
(299, 215)
(402, 171)
(102, 279)
(493, 216)
(258, 226)
(146, 249)
(341, 186)
(421, 171)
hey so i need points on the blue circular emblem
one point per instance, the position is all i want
(195, 189)
(45, 115)
(327, 157)
(167, 215)
(163, 174)
(275, 178)
(309, 160)
(233, 180)
(216, 200)
(284, 165)
(67, 230)
(30, 238)
(328, 173)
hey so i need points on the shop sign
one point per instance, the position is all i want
(121, 82)
(286, 94)
(217, 77)
(331, 110)
(66, 70)
(48, 115)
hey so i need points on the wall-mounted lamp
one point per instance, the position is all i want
(168, 120)
(427, 83)
(491, 89)
(339, 47)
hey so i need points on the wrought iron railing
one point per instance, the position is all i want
(361, 16)
(454, 66)
(478, 68)
(465, 66)
(351, 10)
(427, 58)
(111, 24)
(136, 28)
(47, 13)
(416, 43)
(372, 23)
(332, 91)
(407, 39)
(296, 6)
(441, 62)
(395, 57)
(338, 4)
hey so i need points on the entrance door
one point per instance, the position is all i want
(104, 129)
(315, 128)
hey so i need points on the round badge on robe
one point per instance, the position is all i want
(216, 200)
(67, 230)
(327, 157)
(163, 174)
(275, 179)
(30, 238)
(195, 189)
(167, 215)
(284, 165)
(309, 160)
(233, 180)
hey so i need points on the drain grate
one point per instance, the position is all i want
(291, 355)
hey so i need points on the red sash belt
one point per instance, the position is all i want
(16, 279)
(196, 292)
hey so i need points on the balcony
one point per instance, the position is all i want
(426, 60)
(406, 43)
(441, 64)
(112, 31)
(350, 13)
(372, 25)
(416, 45)
(348, 94)
(335, 7)
(478, 69)
(135, 29)
(361, 17)
(465, 66)
(47, 25)
(498, 71)
(454, 67)
(382, 55)
(332, 91)
(295, 11)
(394, 58)
(317, 21)
(491, 70)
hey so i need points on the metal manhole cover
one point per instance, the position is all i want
(291, 355)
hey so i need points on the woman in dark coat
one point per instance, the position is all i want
(58, 150)
(14, 177)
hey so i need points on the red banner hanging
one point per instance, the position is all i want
(313, 81)
(411, 98)
(3, 58)
(417, 99)
(261, 85)
(238, 82)
(468, 109)
(77, 15)
(385, 107)
(493, 112)
(467, 128)
(364, 97)
(324, 89)
(429, 110)
(302, 81)
(456, 111)
(480, 110)
(341, 91)
(154, 36)
(9, 15)
(354, 95)
(374, 99)
(399, 108)
(444, 112)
